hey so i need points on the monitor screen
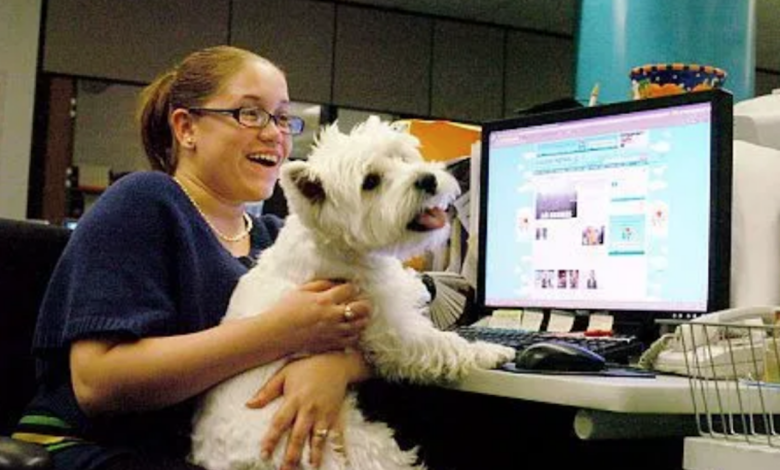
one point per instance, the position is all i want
(621, 207)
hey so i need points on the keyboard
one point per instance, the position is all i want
(614, 349)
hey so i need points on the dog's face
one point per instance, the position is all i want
(371, 190)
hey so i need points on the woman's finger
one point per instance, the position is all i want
(337, 441)
(320, 434)
(281, 422)
(320, 285)
(273, 389)
(361, 309)
(352, 313)
(342, 293)
(347, 325)
(296, 441)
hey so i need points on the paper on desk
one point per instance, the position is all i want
(463, 210)
(560, 321)
(483, 322)
(600, 322)
(506, 319)
(532, 320)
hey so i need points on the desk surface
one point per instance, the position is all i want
(663, 394)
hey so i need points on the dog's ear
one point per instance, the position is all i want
(299, 175)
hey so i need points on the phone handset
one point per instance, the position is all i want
(714, 326)
(713, 344)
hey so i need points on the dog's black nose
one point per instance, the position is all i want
(427, 183)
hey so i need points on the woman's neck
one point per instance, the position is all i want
(229, 222)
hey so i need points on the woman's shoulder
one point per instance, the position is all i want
(141, 189)
(266, 229)
(142, 195)
(271, 222)
(143, 182)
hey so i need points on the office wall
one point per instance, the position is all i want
(349, 55)
(296, 35)
(128, 40)
(357, 58)
(468, 71)
(107, 135)
(768, 35)
(19, 21)
(766, 82)
(767, 46)
(538, 66)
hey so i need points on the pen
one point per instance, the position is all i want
(594, 95)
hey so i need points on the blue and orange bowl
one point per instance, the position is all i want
(654, 80)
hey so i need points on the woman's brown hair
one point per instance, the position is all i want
(191, 83)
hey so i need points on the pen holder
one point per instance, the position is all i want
(654, 80)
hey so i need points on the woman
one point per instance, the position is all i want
(129, 330)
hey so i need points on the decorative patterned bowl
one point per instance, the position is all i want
(653, 80)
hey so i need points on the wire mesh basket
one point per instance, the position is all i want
(734, 376)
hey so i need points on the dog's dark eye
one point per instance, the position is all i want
(371, 181)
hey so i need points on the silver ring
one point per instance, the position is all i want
(321, 433)
(348, 313)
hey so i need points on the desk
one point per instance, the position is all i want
(497, 420)
(662, 394)
(606, 407)
(626, 407)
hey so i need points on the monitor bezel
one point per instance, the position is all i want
(721, 113)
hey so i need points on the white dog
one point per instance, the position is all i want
(360, 204)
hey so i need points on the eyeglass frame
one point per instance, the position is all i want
(235, 113)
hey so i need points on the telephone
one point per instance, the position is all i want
(724, 345)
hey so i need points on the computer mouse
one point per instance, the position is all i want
(559, 356)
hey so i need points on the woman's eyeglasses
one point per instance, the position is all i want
(253, 116)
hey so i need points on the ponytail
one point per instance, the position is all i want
(156, 132)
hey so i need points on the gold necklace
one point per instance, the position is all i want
(248, 224)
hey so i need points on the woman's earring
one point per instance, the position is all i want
(190, 142)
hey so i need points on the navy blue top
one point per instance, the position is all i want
(141, 263)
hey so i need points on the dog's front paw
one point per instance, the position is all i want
(490, 355)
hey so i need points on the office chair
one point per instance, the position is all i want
(28, 253)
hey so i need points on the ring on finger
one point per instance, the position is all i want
(321, 433)
(348, 313)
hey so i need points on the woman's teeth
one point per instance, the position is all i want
(264, 159)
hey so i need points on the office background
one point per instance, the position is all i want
(460, 60)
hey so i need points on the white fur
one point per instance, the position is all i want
(360, 235)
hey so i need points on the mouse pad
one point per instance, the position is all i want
(609, 371)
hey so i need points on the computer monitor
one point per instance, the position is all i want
(624, 207)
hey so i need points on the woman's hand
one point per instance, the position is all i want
(316, 319)
(314, 389)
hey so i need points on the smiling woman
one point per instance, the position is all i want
(130, 330)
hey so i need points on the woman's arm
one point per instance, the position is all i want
(149, 373)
